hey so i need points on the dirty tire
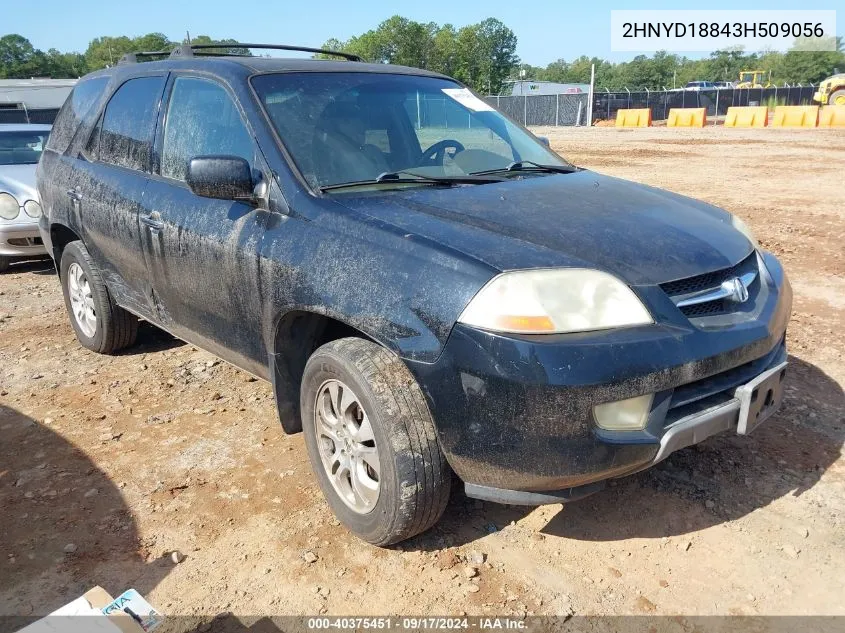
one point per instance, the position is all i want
(115, 327)
(5, 262)
(414, 477)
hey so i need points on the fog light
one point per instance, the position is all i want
(623, 415)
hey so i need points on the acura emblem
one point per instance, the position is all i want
(734, 289)
(737, 289)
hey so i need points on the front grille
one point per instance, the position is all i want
(704, 309)
(727, 380)
(708, 280)
(717, 390)
(681, 288)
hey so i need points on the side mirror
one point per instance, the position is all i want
(544, 140)
(220, 177)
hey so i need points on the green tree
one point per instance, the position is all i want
(152, 42)
(803, 66)
(444, 54)
(653, 73)
(332, 44)
(17, 57)
(497, 50)
(63, 65)
(20, 60)
(107, 51)
(223, 50)
(482, 55)
(725, 65)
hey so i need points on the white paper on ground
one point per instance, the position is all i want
(133, 604)
(58, 621)
(467, 99)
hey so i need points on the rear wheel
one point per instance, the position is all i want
(372, 442)
(837, 98)
(5, 262)
(99, 323)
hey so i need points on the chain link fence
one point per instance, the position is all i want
(572, 109)
(717, 100)
(561, 109)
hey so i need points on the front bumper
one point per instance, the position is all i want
(691, 429)
(514, 413)
(820, 97)
(20, 240)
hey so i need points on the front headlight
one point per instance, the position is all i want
(743, 228)
(9, 207)
(551, 301)
(32, 209)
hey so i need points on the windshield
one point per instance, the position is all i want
(353, 127)
(21, 148)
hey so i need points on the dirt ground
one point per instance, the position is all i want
(110, 464)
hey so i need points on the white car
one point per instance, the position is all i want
(20, 149)
(700, 85)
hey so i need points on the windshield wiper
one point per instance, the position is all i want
(407, 177)
(529, 165)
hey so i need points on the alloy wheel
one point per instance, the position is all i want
(347, 446)
(81, 300)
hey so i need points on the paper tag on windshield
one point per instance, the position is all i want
(467, 99)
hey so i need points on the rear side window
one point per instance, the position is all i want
(202, 120)
(126, 131)
(80, 103)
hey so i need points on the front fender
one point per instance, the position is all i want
(403, 293)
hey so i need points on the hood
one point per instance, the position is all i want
(19, 180)
(640, 234)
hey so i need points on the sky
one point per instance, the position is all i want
(546, 30)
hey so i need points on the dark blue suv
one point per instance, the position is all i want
(429, 288)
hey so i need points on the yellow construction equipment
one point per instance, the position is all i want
(831, 91)
(754, 79)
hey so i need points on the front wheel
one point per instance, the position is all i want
(837, 98)
(372, 442)
(5, 262)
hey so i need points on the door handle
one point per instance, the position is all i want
(74, 195)
(153, 220)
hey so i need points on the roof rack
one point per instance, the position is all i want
(132, 58)
(191, 50)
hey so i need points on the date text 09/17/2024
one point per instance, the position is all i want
(412, 623)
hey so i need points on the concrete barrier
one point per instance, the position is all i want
(832, 116)
(634, 118)
(687, 117)
(796, 116)
(747, 116)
